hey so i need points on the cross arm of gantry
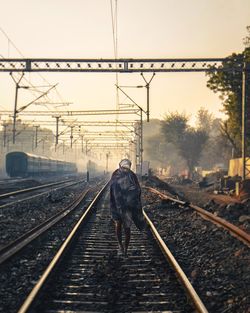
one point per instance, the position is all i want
(124, 65)
(75, 113)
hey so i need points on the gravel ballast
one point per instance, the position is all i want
(216, 263)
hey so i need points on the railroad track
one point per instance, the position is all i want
(20, 271)
(9, 250)
(26, 190)
(216, 262)
(234, 230)
(86, 275)
(21, 242)
(57, 186)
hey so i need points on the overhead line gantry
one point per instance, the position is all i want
(122, 65)
(129, 65)
(74, 113)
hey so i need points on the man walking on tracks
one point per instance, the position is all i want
(125, 203)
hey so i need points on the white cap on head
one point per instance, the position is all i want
(125, 163)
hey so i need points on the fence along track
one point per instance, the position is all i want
(91, 278)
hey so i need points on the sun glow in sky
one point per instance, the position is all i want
(145, 29)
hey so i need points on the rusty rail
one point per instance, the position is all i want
(234, 230)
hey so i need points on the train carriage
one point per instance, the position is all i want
(21, 164)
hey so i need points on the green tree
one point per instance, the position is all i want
(162, 154)
(229, 84)
(174, 126)
(204, 120)
(159, 152)
(217, 149)
(188, 141)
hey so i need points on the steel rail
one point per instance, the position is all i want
(200, 307)
(15, 246)
(234, 230)
(17, 192)
(27, 305)
(51, 267)
(39, 195)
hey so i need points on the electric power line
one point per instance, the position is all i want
(27, 81)
(114, 19)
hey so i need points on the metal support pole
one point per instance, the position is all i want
(135, 157)
(86, 147)
(71, 136)
(137, 146)
(243, 147)
(147, 87)
(141, 141)
(4, 134)
(36, 132)
(14, 115)
(57, 129)
(15, 106)
(107, 162)
(82, 142)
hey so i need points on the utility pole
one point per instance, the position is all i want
(245, 120)
(57, 117)
(36, 133)
(141, 120)
(63, 147)
(15, 105)
(43, 145)
(107, 161)
(141, 141)
(147, 87)
(71, 136)
(4, 134)
(86, 147)
(81, 143)
(243, 147)
(16, 111)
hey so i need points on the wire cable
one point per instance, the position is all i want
(114, 19)
(10, 42)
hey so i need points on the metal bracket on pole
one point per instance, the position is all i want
(15, 105)
(147, 86)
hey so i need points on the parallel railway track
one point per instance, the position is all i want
(215, 260)
(29, 191)
(234, 230)
(87, 276)
(15, 246)
(26, 190)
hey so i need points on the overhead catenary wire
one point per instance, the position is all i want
(10, 42)
(114, 20)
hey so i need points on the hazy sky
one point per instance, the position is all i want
(146, 28)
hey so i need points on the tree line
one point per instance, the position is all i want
(211, 140)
